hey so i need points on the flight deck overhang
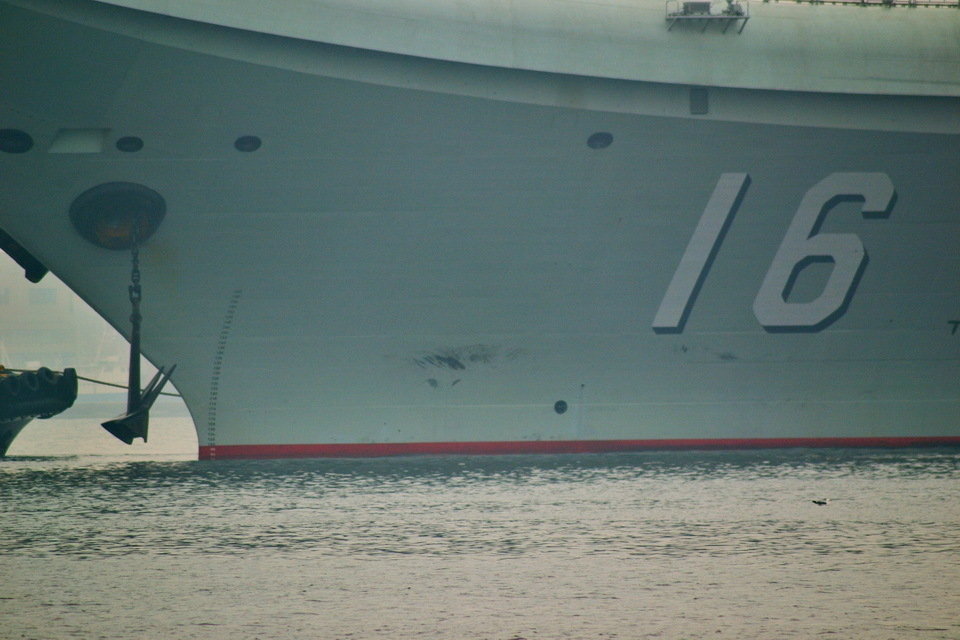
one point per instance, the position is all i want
(855, 49)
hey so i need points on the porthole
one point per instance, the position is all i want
(15, 141)
(247, 143)
(130, 144)
(600, 140)
(560, 407)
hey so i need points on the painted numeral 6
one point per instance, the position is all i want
(803, 245)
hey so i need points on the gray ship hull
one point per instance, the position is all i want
(435, 257)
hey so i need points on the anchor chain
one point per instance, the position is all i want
(136, 295)
(133, 423)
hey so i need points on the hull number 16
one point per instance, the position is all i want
(802, 245)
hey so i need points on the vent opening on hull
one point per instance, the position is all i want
(600, 140)
(247, 144)
(15, 141)
(130, 144)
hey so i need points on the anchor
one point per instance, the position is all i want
(134, 423)
(117, 216)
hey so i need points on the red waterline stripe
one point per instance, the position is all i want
(373, 450)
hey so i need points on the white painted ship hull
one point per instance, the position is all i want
(427, 256)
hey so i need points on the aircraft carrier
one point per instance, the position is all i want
(385, 227)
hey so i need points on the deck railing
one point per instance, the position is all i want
(727, 12)
(954, 4)
(703, 13)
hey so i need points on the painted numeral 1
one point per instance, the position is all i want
(700, 253)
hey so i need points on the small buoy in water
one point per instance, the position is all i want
(821, 502)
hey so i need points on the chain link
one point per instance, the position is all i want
(135, 292)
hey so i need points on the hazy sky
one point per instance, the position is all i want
(46, 324)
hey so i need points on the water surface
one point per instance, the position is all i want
(645, 545)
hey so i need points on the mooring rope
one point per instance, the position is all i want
(85, 379)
